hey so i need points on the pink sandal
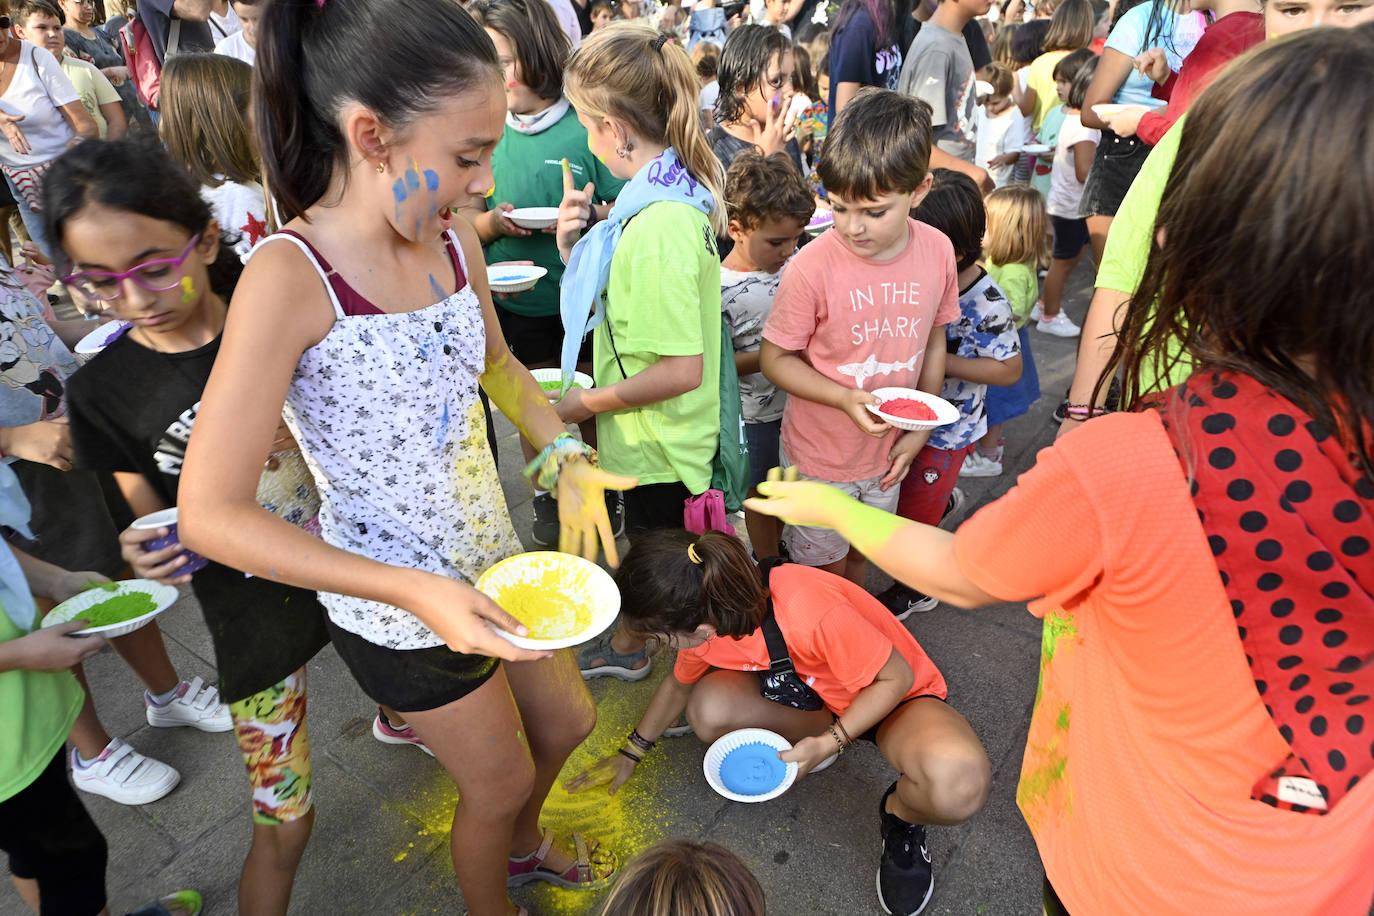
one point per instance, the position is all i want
(593, 868)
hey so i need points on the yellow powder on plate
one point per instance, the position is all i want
(548, 614)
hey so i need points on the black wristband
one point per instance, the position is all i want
(627, 755)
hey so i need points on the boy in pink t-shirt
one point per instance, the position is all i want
(855, 311)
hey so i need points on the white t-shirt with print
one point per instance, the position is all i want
(1066, 191)
(746, 298)
(38, 92)
(241, 211)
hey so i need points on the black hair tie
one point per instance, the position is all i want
(660, 41)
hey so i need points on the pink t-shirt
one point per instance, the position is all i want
(864, 324)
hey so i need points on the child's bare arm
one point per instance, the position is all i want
(984, 370)
(1083, 155)
(748, 363)
(791, 373)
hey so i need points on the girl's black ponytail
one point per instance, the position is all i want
(398, 58)
(298, 147)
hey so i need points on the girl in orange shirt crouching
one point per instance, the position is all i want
(857, 675)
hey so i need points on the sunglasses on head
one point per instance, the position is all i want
(5, 22)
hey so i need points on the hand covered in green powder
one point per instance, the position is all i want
(804, 502)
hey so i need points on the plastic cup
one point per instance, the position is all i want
(167, 518)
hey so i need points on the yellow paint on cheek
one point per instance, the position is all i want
(188, 291)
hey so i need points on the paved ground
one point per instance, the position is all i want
(380, 841)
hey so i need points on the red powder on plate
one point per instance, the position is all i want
(908, 409)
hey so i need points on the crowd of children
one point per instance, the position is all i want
(755, 216)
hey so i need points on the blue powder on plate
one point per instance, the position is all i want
(752, 769)
(513, 278)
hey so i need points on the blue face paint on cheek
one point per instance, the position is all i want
(431, 180)
(412, 179)
(398, 191)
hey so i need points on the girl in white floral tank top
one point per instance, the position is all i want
(362, 317)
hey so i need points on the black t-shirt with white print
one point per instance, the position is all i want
(132, 410)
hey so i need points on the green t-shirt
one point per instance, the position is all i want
(663, 299)
(37, 708)
(528, 169)
(1132, 234)
(1019, 284)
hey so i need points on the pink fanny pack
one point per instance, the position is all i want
(706, 512)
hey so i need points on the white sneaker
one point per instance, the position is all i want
(194, 704)
(1037, 311)
(1060, 326)
(123, 775)
(977, 465)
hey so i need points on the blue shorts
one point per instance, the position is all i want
(1007, 402)
(763, 440)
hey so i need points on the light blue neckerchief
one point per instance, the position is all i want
(589, 268)
(14, 588)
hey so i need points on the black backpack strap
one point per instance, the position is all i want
(779, 659)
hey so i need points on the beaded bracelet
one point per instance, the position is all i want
(639, 741)
(543, 471)
(839, 742)
(844, 731)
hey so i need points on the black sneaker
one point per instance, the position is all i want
(1061, 413)
(545, 529)
(615, 509)
(905, 877)
(903, 601)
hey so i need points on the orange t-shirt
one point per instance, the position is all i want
(1148, 731)
(839, 637)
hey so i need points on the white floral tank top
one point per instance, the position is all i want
(386, 413)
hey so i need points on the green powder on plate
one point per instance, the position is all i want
(555, 385)
(118, 609)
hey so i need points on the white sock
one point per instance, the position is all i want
(162, 699)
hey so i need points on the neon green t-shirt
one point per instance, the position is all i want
(528, 173)
(663, 299)
(1132, 234)
(1019, 284)
(37, 708)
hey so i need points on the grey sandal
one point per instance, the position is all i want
(599, 659)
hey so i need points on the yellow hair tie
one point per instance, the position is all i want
(693, 555)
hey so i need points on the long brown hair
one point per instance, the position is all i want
(619, 72)
(664, 590)
(1071, 27)
(1266, 265)
(205, 99)
(678, 878)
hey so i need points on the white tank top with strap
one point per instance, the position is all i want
(386, 412)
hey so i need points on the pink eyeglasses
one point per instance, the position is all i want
(154, 276)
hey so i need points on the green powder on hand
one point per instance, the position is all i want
(118, 609)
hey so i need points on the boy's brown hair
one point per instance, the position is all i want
(879, 145)
(758, 188)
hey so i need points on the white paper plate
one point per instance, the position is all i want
(101, 337)
(164, 595)
(820, 221)
(572, 579)
(514, 278)
(1037, 149)
(532, 217)
(717, 752)
(945, 412)
(983, 88)
(1106, 111)
(554, 377)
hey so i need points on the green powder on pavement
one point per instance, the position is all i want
(118, 609)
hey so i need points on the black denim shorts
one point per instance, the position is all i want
(1117, 163)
